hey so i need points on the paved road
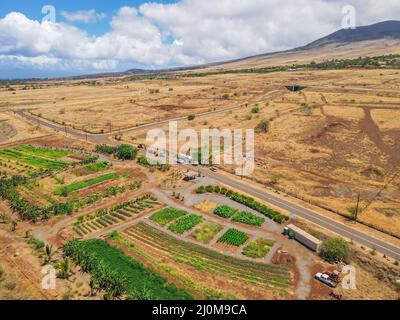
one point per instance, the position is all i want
(332, 225)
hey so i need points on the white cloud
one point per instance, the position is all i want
(86, 16)
(183, 33)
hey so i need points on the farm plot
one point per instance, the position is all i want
(92, 168)
(258, 248)
(105, 218)
(206, 232)
(32, 161)
(119, 274)
(43, 152)
(244, 217)
(164, 247)
(64, 191)
(234, 237)
(248, 218)
(185, 223)
(225, 211)
(167, 215)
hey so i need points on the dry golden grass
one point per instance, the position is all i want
(321, 141)
(206, 206)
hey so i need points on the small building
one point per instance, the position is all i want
(305, 238)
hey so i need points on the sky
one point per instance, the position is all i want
(64, 38)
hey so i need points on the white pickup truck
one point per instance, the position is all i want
(324, 278)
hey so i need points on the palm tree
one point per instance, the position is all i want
(64, 269)
(48, 251)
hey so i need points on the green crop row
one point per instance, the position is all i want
(186, 223)
(64, 191)
(41, 163)
(234, 237)
(166, 215)
(43, 152)
(248, 218)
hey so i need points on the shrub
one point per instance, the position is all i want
(210, 188)
(263, 127)
(126, 152)
(224, 211)
(191, 117)
(201, 189)
(255, 110)
(335, 250)
(103, 148)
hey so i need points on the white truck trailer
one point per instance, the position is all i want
(304, 238)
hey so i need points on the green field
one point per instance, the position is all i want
(258, 248)
(86, 183)
(206, 232)
(167, 215)
(234, 237)
(186, 223)
(224, 211)
(43, 152)
(32, 160)
(248, 218)
(118, 273)
(97, 166)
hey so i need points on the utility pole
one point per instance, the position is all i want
(357, 208)
(65, 127)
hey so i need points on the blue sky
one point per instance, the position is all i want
(102, 36)
(32, 9)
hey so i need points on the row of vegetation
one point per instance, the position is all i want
(143, 161)
(121, 152)
(66, 190)
(245, 200)
(386, 61)
(119, 274)
(35, 161)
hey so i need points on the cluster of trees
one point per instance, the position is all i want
(122, 152)
(335, 250)
(375, 62)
